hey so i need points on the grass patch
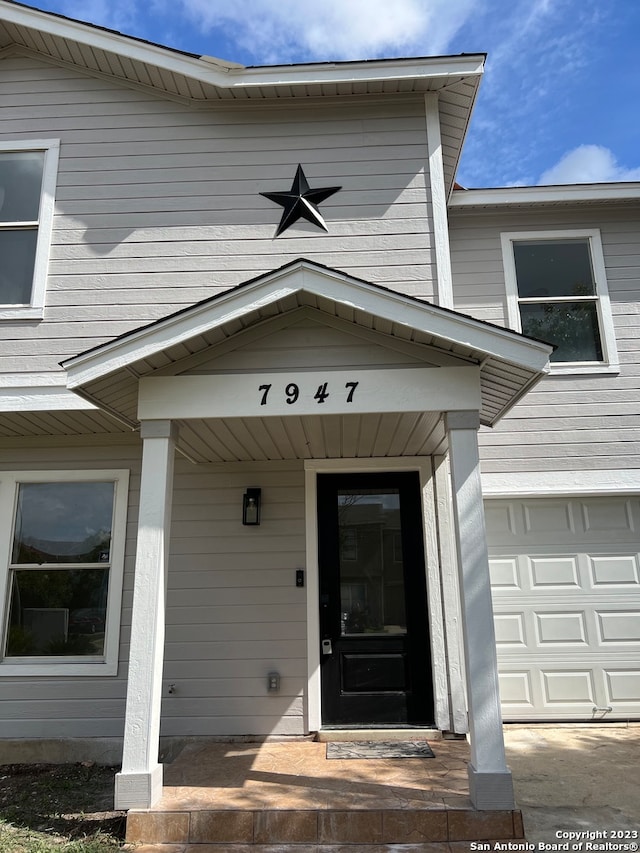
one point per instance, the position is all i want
(59, 808)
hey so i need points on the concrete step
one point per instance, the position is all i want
(311, 828)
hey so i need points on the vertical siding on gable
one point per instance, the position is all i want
(568, 422)
(158, 203)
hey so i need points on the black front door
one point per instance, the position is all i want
(376, 660)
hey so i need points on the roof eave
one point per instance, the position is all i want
(551, 194)
(216, 72)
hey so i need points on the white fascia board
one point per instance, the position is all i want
(562, 194)
(234, 77)
(304, 277)
(358, 72)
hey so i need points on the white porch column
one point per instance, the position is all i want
(490, 782)
(139, 784)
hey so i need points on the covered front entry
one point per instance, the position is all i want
(376, 660)
(309, 367)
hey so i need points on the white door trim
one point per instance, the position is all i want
(423, 465)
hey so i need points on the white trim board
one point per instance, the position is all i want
(423, 466)
(566, 483)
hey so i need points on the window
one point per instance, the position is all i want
(27, 185)
(557, 292)
(63, 550)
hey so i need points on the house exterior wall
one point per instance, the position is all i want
(568, 422)
(158, 204)
(234, 613)
(73, 706)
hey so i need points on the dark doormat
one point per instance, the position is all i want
(379, 749)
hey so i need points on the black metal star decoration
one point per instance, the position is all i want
(301, 202)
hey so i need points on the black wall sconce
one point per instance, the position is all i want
(251, 506)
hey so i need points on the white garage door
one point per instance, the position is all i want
(565, 578)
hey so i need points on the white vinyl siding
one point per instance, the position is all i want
(565, 578)
(566, 423)
(158, 204)
(234, 613)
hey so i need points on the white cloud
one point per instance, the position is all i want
(588, 164)
(333, 29)
(113, 14)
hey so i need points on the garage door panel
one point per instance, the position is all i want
(554, 573)
(613, 571)
(569, 687)
(516, 691)
(561, 628)
(617, 627)
(510, 630)
(566, 589)
(548, 518)
(622, 686)
(600, 516)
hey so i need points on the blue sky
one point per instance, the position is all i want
(559, 102)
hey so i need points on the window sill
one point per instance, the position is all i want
(21, 668)
(21, 313)
(584, 369)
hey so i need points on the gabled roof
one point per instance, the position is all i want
(509, 363)
(207, 81)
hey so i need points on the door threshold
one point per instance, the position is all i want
(328, 735)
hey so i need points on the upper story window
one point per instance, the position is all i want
(28, 172)
(557, 292)
(63, 543)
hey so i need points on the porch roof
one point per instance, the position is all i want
(508, 363)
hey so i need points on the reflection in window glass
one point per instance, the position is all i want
(571, 326)
(553, 268)
(20, 185)
(63, 523)
(372, 599)
(18, 253)
(57, 612)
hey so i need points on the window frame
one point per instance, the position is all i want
(53, 666)
(43, 225)
(610, 362)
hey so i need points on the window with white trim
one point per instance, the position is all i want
(557, 292)
(62, 537)
(28, 173)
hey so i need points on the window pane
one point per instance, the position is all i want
(63, 523)
(17, 257)
(554, 268)
(57, 612)
(372, 598)
(20, 185)
(571, 326)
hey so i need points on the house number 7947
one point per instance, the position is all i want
(292, 392)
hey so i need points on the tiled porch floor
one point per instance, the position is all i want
(238, 796)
